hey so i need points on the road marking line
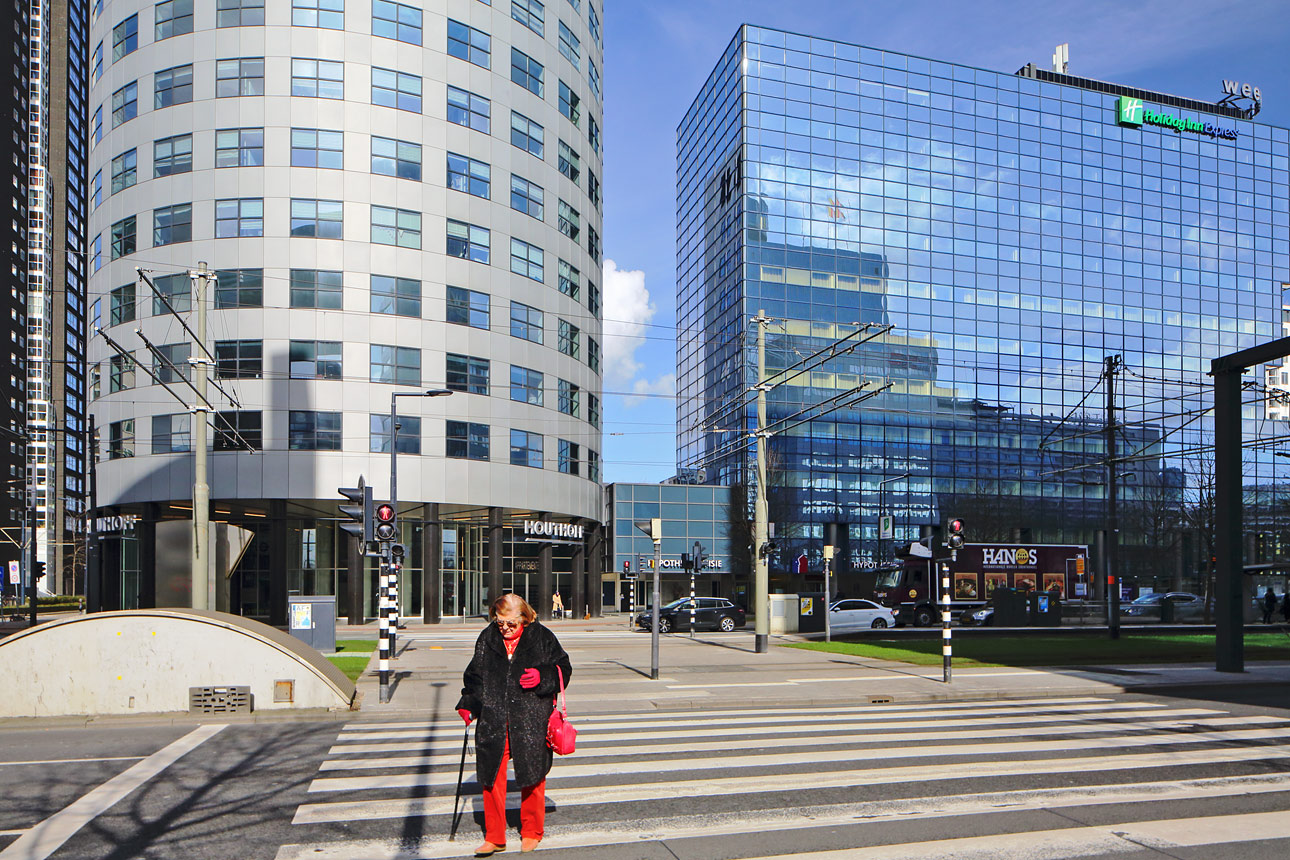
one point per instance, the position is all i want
(49, 835)
(71, 761)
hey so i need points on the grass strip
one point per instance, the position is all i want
(352, 656)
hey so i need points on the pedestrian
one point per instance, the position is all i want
(557, 605)
(510, 687)
(1269, 604)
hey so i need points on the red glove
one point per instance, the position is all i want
(465, 715)
(530, 679)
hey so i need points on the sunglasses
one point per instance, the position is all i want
(507, 625)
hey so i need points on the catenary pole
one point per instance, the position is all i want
(1112, 506)
(761, 511)
(201, 583)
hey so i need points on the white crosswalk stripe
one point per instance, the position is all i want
(742, 776)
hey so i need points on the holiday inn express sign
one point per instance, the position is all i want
(1130, 111)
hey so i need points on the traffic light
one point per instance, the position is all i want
(360, 511)
(384, 528)
(955, 540)
(397, 551)
(39, 569)
(685, 561)
(627, 567)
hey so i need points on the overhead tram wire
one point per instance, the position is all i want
(210, 358)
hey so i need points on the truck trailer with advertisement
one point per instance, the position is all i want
(913, 588)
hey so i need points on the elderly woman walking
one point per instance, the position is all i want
(510, 688)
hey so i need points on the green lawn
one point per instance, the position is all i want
(352, 656)
(1039, 650)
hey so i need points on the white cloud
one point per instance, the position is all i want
(628, 312)
(665, 385)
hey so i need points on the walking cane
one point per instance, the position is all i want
(456, 817)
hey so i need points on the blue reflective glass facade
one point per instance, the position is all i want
(988, 240)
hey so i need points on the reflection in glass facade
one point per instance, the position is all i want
(1013, 235)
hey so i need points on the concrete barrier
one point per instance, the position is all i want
(145, 660)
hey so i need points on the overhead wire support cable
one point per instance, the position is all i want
(157, 353)
(210, 358)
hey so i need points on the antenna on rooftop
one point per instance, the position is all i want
(1061, 58)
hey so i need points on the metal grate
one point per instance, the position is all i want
(219, 700)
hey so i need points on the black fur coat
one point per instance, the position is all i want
(493, 695)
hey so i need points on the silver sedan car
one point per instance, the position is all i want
(856, 614)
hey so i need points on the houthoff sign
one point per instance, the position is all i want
(545, 529)
(1131, 111)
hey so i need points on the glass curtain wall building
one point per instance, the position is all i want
(394, 197)
(1002, 247)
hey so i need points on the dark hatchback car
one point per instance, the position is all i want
(711, 613)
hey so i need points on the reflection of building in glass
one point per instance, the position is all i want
(1014, 235)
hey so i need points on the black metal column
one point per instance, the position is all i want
(545, 577)
(578, 593)
(278, 563)
(494, 559)
(146, 532)
(595, 575)
(432, 566)
(1230, 641)
(354, 586)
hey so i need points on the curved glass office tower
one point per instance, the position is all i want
(1014, 243)
(392, 198)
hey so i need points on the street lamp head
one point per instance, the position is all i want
(437, 392)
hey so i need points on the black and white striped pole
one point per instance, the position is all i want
(394, 609)
(947, 649)
(384, 656)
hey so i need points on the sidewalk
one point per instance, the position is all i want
(612, 673)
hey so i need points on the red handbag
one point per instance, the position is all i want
(561, 736)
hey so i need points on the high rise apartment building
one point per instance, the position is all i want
(996, 241)
(392, 198)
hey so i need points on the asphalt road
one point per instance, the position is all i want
(1175, 773)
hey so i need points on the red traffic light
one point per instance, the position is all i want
(385, 513)
(955, 539)
(956, 525)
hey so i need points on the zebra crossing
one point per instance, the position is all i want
(1063, 777)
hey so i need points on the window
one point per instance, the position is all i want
(315, 359)
(593, 189)
(467, 307)
(526, 260)
(97, 132)
(593, 299)
(469, 175)
(468, 241)
(96, 62)
(570, 163)
(321, 219)
(466, 108)
(314, 288)
(593, 23)
(124, 173)
(569, 339)
(239, 288)
(526, 449)
(240, 77)
(526, 71)
(96, 190)
(328, 14)
(531, 14)
(121, 439)
(570, 280)
(400, 365)
(593, 410)
(467, 43)
(239, 431)
(526, 385)
(401, 227)
(323, 79)
(239, 218)
(170, 434)
(570, 223)
(409, 434)
(396, 21)
(569, 45)
(176, 290)
(315, 147)
(173, 18)
(526, 322)
(593, 244)
(568, 457)
(170, 363)
(313, 431)
(396, 90)
(120, 373)
(399, 158)
(124, 241)
(125, 38)
(125, 103)
(171, 224)
(526, 197)
(593, 466)
(593, 78)
(239, 147)
(576, 4)
(526, 134)
(239, 359)
(570, 104)
(96, 253)
(466, 373)
(173, 86)
(466, 440)
(593, 134)
(239, 13)
(397, 296)
(593, 354)
(172, 155)
(121, 305)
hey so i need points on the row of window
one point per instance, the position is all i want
(308, 430)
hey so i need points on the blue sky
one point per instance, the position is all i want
(658, 53)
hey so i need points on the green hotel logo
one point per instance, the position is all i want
(1130, 110)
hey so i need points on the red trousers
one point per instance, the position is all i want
(532, 806)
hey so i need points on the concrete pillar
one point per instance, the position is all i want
(494, 556)
(354, 578)
(431, 570)
(278, 562)
(146, 531)
(576, 600)
(596, 560)
(545, 577)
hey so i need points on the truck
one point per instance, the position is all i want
(913, 589)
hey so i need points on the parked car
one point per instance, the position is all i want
(980, 618)
(710, 613)
(856, 614)
(1186, 606)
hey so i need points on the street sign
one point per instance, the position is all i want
(15, 573)
(886, 527)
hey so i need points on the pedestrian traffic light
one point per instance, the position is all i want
(360, 511)
(627, 567)
(685, 561)
(955, 540)
(39, 569)
(384, 528)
